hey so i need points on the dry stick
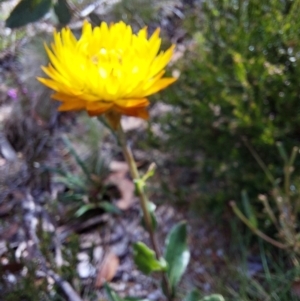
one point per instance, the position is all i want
(259, 160)
(244, 219)
(269, 211)
(143, 201)
(283, 207)
(287, 211)
(65, 286)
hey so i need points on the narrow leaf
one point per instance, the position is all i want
(70, 196)
(111, 294)
(83, 209)
(214, 297)
(248, 209)
(59, 171)
(27, 11)
(282, 152)
(76, 156)
(150, 172)
(106, 206)
(95, 20)
(72, 182)
(293, 156)
(177, 254)
(109, 207)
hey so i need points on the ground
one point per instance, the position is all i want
(82, 236)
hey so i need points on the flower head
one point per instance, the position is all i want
(108, 69)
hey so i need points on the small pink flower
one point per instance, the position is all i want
(12, 93)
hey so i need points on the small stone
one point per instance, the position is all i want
(85, 269)
(97, 253)
(200, 270)
(156, 295)
(135, 273)
(208, 252)
(11, 278)
(125, 277)
(206, 287)
(138, 287)
(121, 287)
(220, 253)
(83, 256)
(120, 249)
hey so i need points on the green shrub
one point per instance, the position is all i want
(239, 85)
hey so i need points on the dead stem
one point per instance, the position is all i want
(244, 219)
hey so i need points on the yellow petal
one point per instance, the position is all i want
(67, 98)
(49, 83)
(132, 103)
(135, 112)
(98, 106)
(74, 105)
(108, 69)
(159, 85)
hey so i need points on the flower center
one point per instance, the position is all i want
(112, 56)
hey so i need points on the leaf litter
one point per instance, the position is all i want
(100, 241)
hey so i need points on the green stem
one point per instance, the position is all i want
(143, 200)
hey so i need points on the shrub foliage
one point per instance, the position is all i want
(239, 86)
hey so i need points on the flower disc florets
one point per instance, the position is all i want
(108, 69)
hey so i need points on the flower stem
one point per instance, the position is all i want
(143, 201)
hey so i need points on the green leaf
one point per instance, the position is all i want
(70, 196)
(85, 208)
(139, 184)
(150, 172)
(27, 11)
(177, 254)
(145, 259)
(282, 152)
(151, 208)
(72, 182)
(76, 157)
(108, 207)
(194, 295)
(214, 297)
(59, 171)
(63, 12)
(111, 294)
(248, 209)
(96, 19)
(293, 156)
(240, 69)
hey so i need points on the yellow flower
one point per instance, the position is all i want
(108, 70)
